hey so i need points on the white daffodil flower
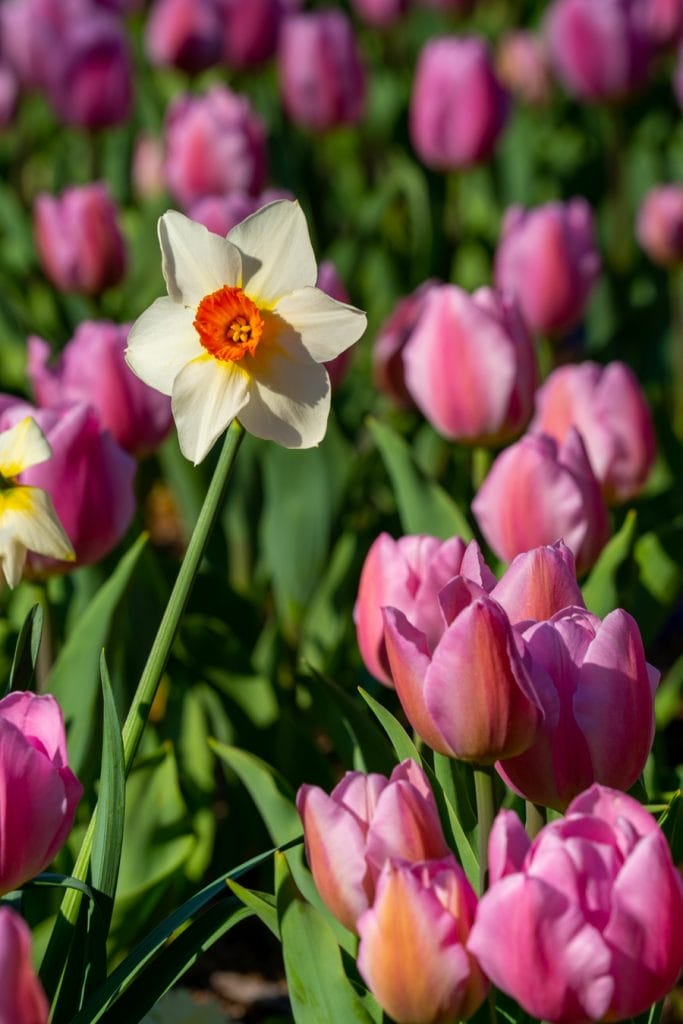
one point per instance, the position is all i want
(28, 521)
(243, 331)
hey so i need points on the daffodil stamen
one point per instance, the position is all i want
(229, 324)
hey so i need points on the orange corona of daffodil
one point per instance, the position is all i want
(243, 331)
(28, 521)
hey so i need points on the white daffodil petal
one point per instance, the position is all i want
(207, 395)
(161, 341)
(28, 522)
(21, 446)
(326, 326)
(12, 559)
(194, 261)
(277, 255)
(289, 401)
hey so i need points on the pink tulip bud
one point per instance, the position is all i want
(38, 791)
(367, 819)
(589, 668)
(601, 51)
(547, 259)
(597, 901)
(331, 283)
(388, 368)
(413, 953)
(221, 213)
(322, 78)
(458, 107)
(537, 492)
(250, 31)
(474, 697)
(660, 225)
(408, 574)
(380, 13)
(606, 405)
(215, 144)
(538, 584)
(184, 34)
(89, 478)
(148, 167)
(664, 21)
(470, 365)
(79, 240)
(522, 66)
(22, 1000)
(92, 369)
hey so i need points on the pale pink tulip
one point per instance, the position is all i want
(22, 1000)
(522, 66)
(538, 584)
(660, 224)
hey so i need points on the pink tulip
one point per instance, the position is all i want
(664, 21)
(601, 51)
(408, 574)
(472, 698)
(89, 478)
(22, 1000)
(367, 819)
(595, 900)
(331, 283)
(522, 66)
(388, 367)
(607, 406)
(470, 365)
(148, 166)
(589, 669)
(458, 107)
(322, 78)
(92, 369)
(221, 213)
(79, 240)
(660, 224)
(547, 259)
(184, 34)
(538, 491)
(250, 31)
(380, 13)
(413, 953)
(538, 584)
(215, 144)
(38, 791)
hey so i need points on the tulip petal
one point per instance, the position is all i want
(326, 327)
(539, 583)
(22, 1000)
(508, 845)
(194, 261)
(277, 256)
(161, 342)
(207, 395)
(405, 825)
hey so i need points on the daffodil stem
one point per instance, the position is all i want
(535, 818)
(151, 674)
(486, 809)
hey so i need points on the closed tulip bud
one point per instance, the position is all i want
(596, 899)
(567, 501)
(148, 167)
(600, 51)
(79, 240)
(388, 367)
(547, 259)
(660, 225)
(38, 791)
(664, 21)
(184, 34)
(522, 66)
(538, 584)
(331, 283)
(408, 574)
(413, 953)
(367, 819)
(322, 78)
(215, 144)
(473, 698)
(380, 13)
(221, 213)
(22, 1000)
(89, 478)
(470, 365)
(589, 668)
(250, 31)
(92, 369)
(607, 406)
(458, 107)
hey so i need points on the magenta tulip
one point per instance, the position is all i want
(470, 365)
(184, 34)
(367, 819)
(322, 78)
(22, 999)
(79, 240)
(601, 51)
(89, 478)
(458, 107)
(660, 224)
(538, 584)
(547, 259)
(38, 791)
(537, 492)
(388, 367)
(664, 21)
(413, 953)
(607, 406)
(91, 369)
(522, 66)
(250, 31)
(589, 669)
(595, 900)
(215, 144)
(408, 574)
(473, 698)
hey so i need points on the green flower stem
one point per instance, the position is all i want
(486, 810)
(535, 817)
(481, 463)
(151, 674)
